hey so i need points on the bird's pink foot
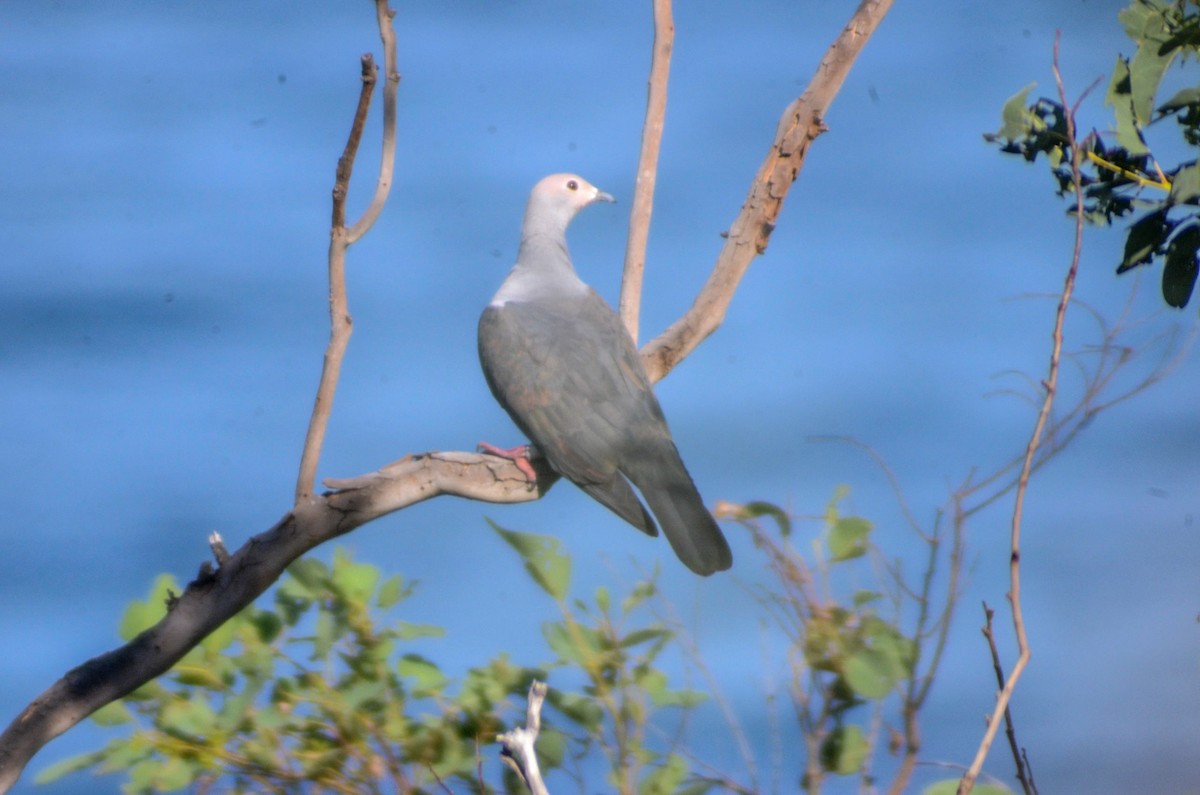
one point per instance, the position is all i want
(519, 455)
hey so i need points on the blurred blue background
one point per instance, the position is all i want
(166, 174)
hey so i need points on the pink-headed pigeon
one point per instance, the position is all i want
(560, 362)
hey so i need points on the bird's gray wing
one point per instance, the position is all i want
(555, 367)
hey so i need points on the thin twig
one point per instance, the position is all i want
(1050, 385)
(643, 192)
(341, 238)
(1010, 730)
(387, 159)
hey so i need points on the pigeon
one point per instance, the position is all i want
(560, 362)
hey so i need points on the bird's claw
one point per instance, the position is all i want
(519, 455)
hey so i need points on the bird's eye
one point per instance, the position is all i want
(572, 185)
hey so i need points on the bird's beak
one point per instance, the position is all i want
(601, 196)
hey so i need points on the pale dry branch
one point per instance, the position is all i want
(802, 122)
(341, 238)
(387, 159)
(1050, 386)
(647, 174)
(519, 744)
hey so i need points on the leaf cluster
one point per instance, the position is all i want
(1121, 177)
(313, 692)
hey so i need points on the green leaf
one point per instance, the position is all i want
(154, 775)
(844, 750)
(1015, 118)
(848, 538)
(70, 765)
(403, 630)
(759, 508)
(114, 713)
(580, 709)
(666, 778)
(643, 635)
(307, 578)
(872, 673)
(193, 718)
(1146, 238)
(1182, 99)
(392, 592)
(1120, 97)
(640, 593)
(949, 786)
(140, 616)
(576, 643)
(1179, 268)
(428, 677)
(866, 597)
(1185, 185)
(603, 600)
(543, 558)
(551, 748)
(355, 582)
(1146, 24)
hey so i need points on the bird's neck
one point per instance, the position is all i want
(543, 271)
(546, 250)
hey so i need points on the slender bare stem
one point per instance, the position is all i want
(1050, 385)
(643, 192)
(802, 122)
(341, 238)
(1010, 729)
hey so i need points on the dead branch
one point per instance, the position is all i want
(802, 122)
(647, 174)
(341, 238)
(519, 744)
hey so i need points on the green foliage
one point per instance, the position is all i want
(616, 649)
(950, 786)
(1121, 177)
(849, 658)
(314, 690)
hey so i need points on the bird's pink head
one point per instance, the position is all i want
(561, 196)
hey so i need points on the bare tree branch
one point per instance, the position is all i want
(802, 122)
(341, 238)
(643, 193)
(340, 323)
(520, 743)
(387, 159)
(1050, 385)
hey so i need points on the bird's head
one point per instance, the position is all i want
(561, 196)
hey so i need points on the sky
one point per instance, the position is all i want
(163, 317)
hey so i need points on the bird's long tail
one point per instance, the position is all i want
(668, 488)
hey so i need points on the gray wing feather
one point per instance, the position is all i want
(568, 374)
